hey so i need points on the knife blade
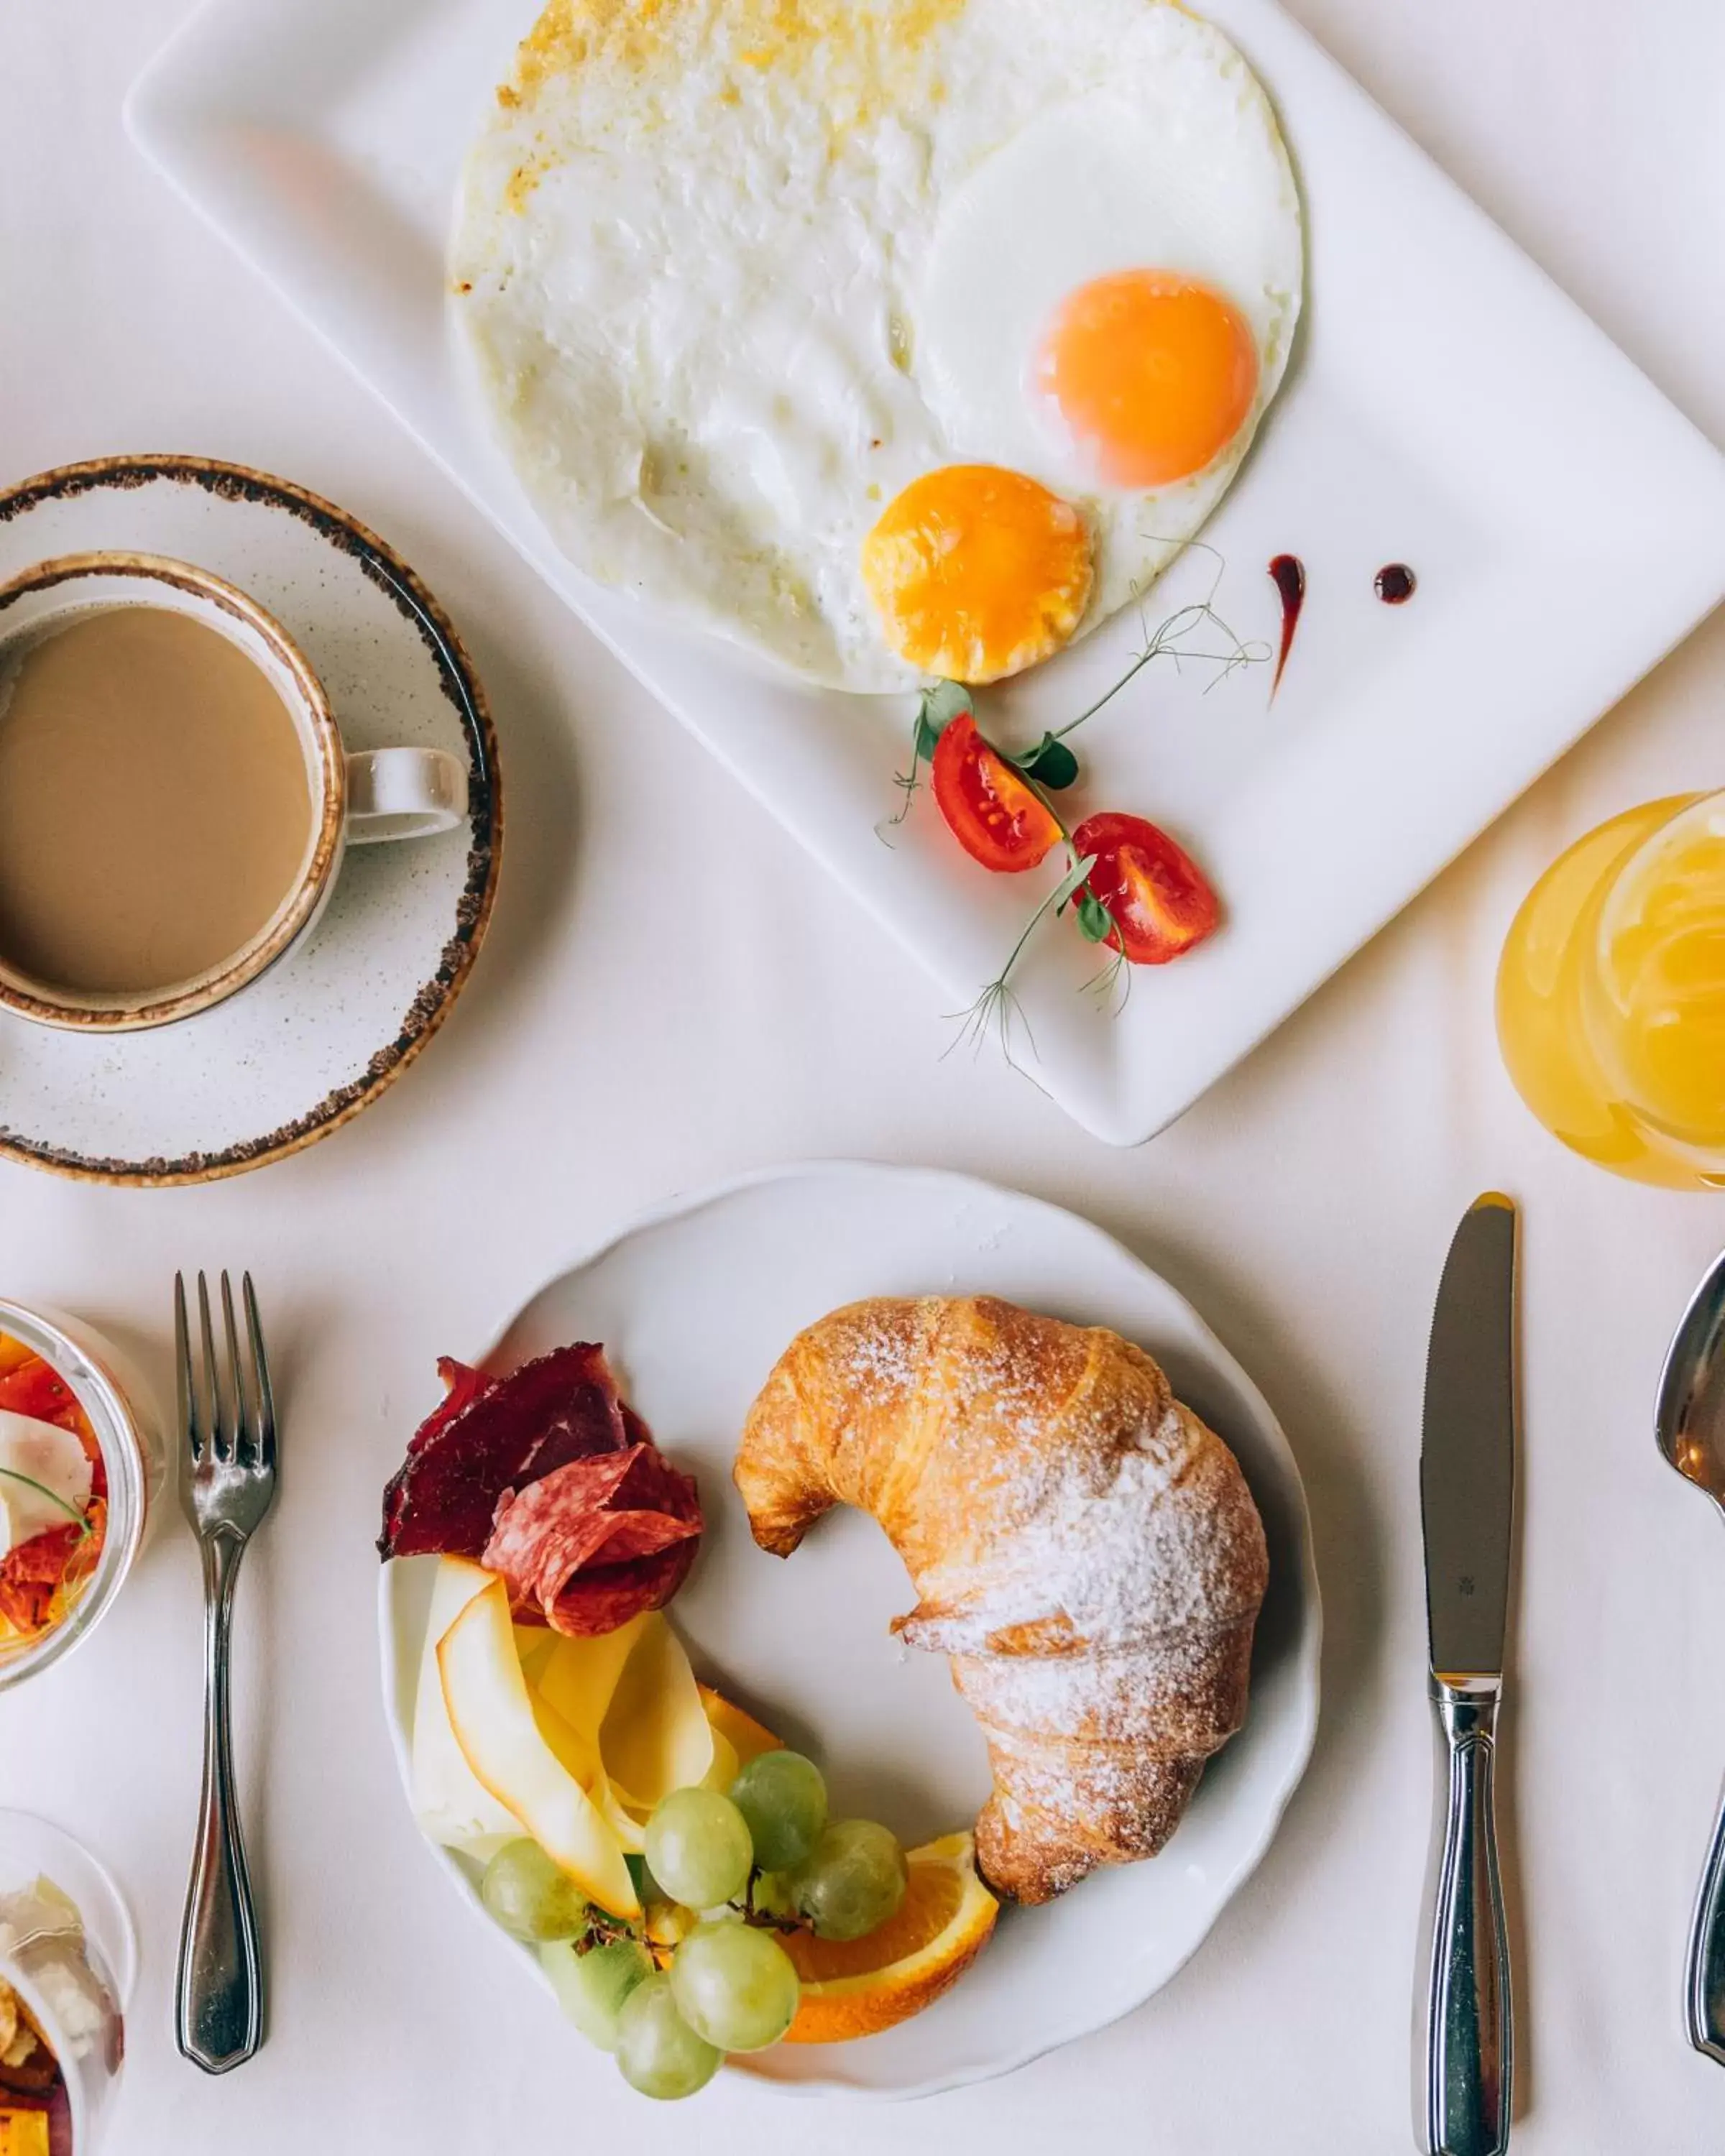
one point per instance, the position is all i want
(1467, 1458)
(1467, 1467)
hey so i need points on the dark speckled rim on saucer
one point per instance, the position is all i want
(391, 575)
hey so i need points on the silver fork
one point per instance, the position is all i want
(227, 1489)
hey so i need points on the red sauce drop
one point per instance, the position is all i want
(1288, 573)
(1395, 583)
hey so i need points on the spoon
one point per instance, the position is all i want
(1690, 1425)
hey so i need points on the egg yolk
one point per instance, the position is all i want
(1152, 372)
(977, 573)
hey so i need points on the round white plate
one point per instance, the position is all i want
(694, 1306)
(319, 1035)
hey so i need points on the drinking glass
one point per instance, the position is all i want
(1611, 994)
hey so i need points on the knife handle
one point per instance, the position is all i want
(1469, 2043)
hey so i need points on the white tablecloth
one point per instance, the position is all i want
(672, 992)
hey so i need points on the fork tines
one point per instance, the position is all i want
(233, 1422)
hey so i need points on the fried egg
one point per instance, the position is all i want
(884, 337)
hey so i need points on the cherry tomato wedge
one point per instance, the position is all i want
(32, 1574)
(34, 1388)
(993, 814)
(1154, 891)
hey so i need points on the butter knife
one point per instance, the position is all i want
(1467, 1467)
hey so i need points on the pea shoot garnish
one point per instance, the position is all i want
(1129, 887)
(78, 1519)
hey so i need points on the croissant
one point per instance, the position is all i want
(1085, 1550)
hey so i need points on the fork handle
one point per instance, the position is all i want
(219, 1994)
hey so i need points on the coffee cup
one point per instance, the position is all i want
(158, 729)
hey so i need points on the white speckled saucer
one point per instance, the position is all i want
(318, 1037)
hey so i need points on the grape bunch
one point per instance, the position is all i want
(739, 1869)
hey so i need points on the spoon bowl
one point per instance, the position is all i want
(1690, 1425)
(1690, 1420)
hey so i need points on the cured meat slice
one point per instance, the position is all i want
(547, 1478)
(596, 1543)
(463, 1386)
(491, 1435)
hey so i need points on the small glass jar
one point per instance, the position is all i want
(68, 1952)
(128, 1430)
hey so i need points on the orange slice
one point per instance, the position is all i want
(856, 1986)
(748, 1736)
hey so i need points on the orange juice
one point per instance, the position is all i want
(1611, 994)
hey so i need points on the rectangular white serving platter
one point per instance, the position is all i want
(1447, 407)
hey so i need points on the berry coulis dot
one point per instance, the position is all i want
(1395, 583)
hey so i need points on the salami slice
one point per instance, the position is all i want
(491, 1435)
(599, 1541)
(606, 1596)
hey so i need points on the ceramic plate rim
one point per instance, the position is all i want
(85, 476)
(1305, 1653)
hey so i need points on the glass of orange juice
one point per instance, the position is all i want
(1611, 994)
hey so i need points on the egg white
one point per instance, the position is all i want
(733, 274)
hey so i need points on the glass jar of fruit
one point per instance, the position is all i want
(68, 1963)
(1611, 994)
(82, 1469)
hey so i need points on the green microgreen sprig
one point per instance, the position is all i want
(1193, 634)
(1052, 762)
(939, 704)
(1049, 763)
(998, 1007)
(79, 1520)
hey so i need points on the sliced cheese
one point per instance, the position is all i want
(491, 1713)
(725, 1764)
(452, 1806)
(630, 1828)
(656, 1737)
(621, 1715)
(46, 1472)
(578, 1677)
(630, 1697)
(577, 1753)
(747, 1737)
(573, 1688)
(533, 1645)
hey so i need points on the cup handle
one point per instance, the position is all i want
(404, 794)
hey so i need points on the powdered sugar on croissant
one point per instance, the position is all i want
(1083, 1547)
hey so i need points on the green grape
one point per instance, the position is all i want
(854, 1881)
(532, 1897)
(593, 1987)
(698, 1848)
(659, 2053)
(735, 1986)
(784, 1799)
